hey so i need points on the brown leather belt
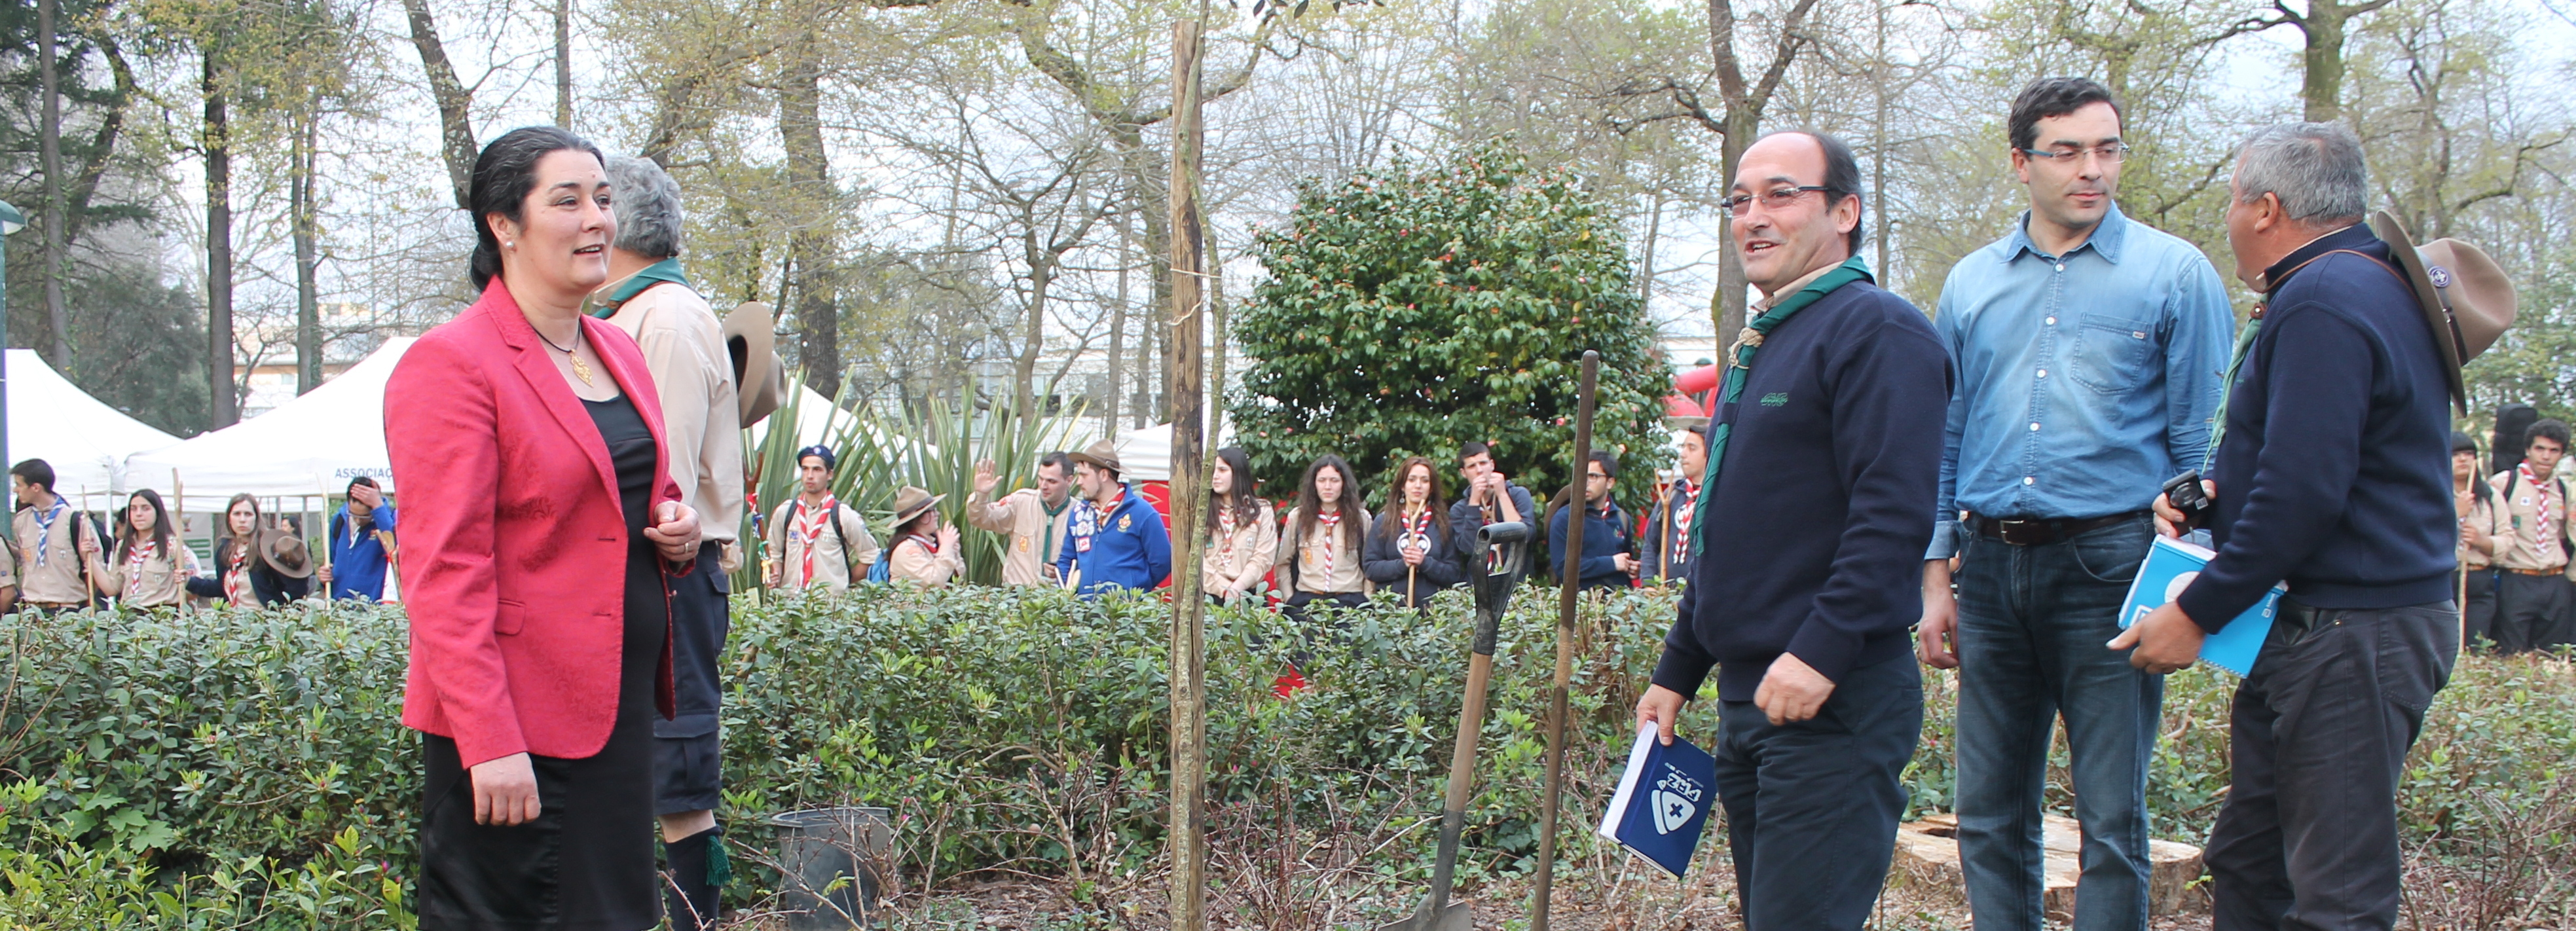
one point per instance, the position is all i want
(2044, 531)
(2544, 573)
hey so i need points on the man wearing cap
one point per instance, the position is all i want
(2531, 590)
(1116, 540)
(2482, 531)
(925, 548)
(820, 543)
(649, 297)
(1032, 520)
(54, 541)
(362, 532)
(2331, 475)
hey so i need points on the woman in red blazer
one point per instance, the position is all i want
(526, 439)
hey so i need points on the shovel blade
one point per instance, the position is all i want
(1457, 917)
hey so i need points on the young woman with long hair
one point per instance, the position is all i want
(1409, 549)
(150, 567)
(242, 578)
(1322, 548)
(1243, 537)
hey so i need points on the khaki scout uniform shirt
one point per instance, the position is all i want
(1033, 538)
(1345, 577)
(2527, 543)
(2481, 513)
(912, 559)
(53, 577)
(683, 345)
(1242, 556)
(159, 581)
(833, 568)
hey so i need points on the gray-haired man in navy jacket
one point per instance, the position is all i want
(1824, 459)
(2332, 475)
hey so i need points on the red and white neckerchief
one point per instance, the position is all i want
(136, 556)
(1689, 501)
(1417, 530)
(237, 588)
(1225, 537)
(2549, 510)
(810, 523)
(1327, 528)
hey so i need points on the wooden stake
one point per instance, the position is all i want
(1190, 480)
(1569, 586)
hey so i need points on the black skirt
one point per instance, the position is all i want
(586, 862)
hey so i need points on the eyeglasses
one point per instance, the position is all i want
(2109, 154)
(1774, 199)
(1595, 475)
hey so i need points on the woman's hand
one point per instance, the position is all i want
(505, 791)
(675, 532)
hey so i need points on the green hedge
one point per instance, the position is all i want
(235, 768)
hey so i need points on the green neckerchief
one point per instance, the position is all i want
(2227, 388)
(1746, 346)
(656, 273)
(1051, 512)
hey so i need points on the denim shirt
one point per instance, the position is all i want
(2085, 380)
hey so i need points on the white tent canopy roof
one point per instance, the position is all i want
(1145, 453)
(307, 447)
(85, 440)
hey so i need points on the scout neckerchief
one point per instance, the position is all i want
(1051, 511)
(1327, 527)
(1225, 537)
(237, 588)
(810, 526)
(1689, 504)
(2548, 512)
(1089, 519)
(1417, 529)
(137, 556)
(1740, 361)
(666, 270)
(45, 529)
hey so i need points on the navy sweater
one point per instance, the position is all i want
(2335, 470)
(1605, 536)
(1834, 462)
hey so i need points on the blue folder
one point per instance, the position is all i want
(1663, 801)
(2170, 567)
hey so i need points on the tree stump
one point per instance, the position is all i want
(1927, 856)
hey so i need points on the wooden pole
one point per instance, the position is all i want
(1189, 494)
(1569, 586)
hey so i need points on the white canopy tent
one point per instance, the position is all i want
(306, 448)
(1146, 452)
(817, 421)
(85, 440)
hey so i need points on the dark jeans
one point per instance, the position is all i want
(2530, 610)
(2308, 839)
(2032, 624)
(1812, 806)
(2478, 613)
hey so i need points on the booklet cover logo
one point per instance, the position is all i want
(1675, 799)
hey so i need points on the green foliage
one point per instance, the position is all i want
(247, 769)
(1412, 309)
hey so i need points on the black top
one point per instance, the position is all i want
(630, 448)
(2335, 470)
(1834, 460)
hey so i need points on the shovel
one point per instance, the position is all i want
(1510, 544)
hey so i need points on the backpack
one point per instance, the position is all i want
(881, 571)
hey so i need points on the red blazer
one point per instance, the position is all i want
(514, 546)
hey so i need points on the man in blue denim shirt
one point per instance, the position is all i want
(2089, 349)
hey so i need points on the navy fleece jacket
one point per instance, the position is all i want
(2334, 473)
(1825, 492)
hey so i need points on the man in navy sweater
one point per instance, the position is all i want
(1606, 562)
(2331, 475)
(1824, 461)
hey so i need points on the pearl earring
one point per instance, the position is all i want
(509, 244)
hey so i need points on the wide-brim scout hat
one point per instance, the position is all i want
(911, 501)
(283, 550)
(1100, 455)
(2466, 298)
(760, 379)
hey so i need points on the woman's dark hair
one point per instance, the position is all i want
(254, 513)
(1237, 496)
(125, 536)
(929, 515)
(503, 176)
(1309, 503)
(1395, 499)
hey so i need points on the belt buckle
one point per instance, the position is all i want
(2017, 531)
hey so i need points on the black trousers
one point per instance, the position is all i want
(2530, 610)
(2478, 614)
(2308, 839)
(1812, 806)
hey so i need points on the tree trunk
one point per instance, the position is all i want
(2321, 89)
(303, 222)
(1727, 308)
(57, 317)
(1878, 159)
(455, 117)
(1024, 370)
(800, 131)
(563, 63)
(1118, 328)
(222, 400)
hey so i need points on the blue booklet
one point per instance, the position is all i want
(1663, 801)
(2170, 567)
